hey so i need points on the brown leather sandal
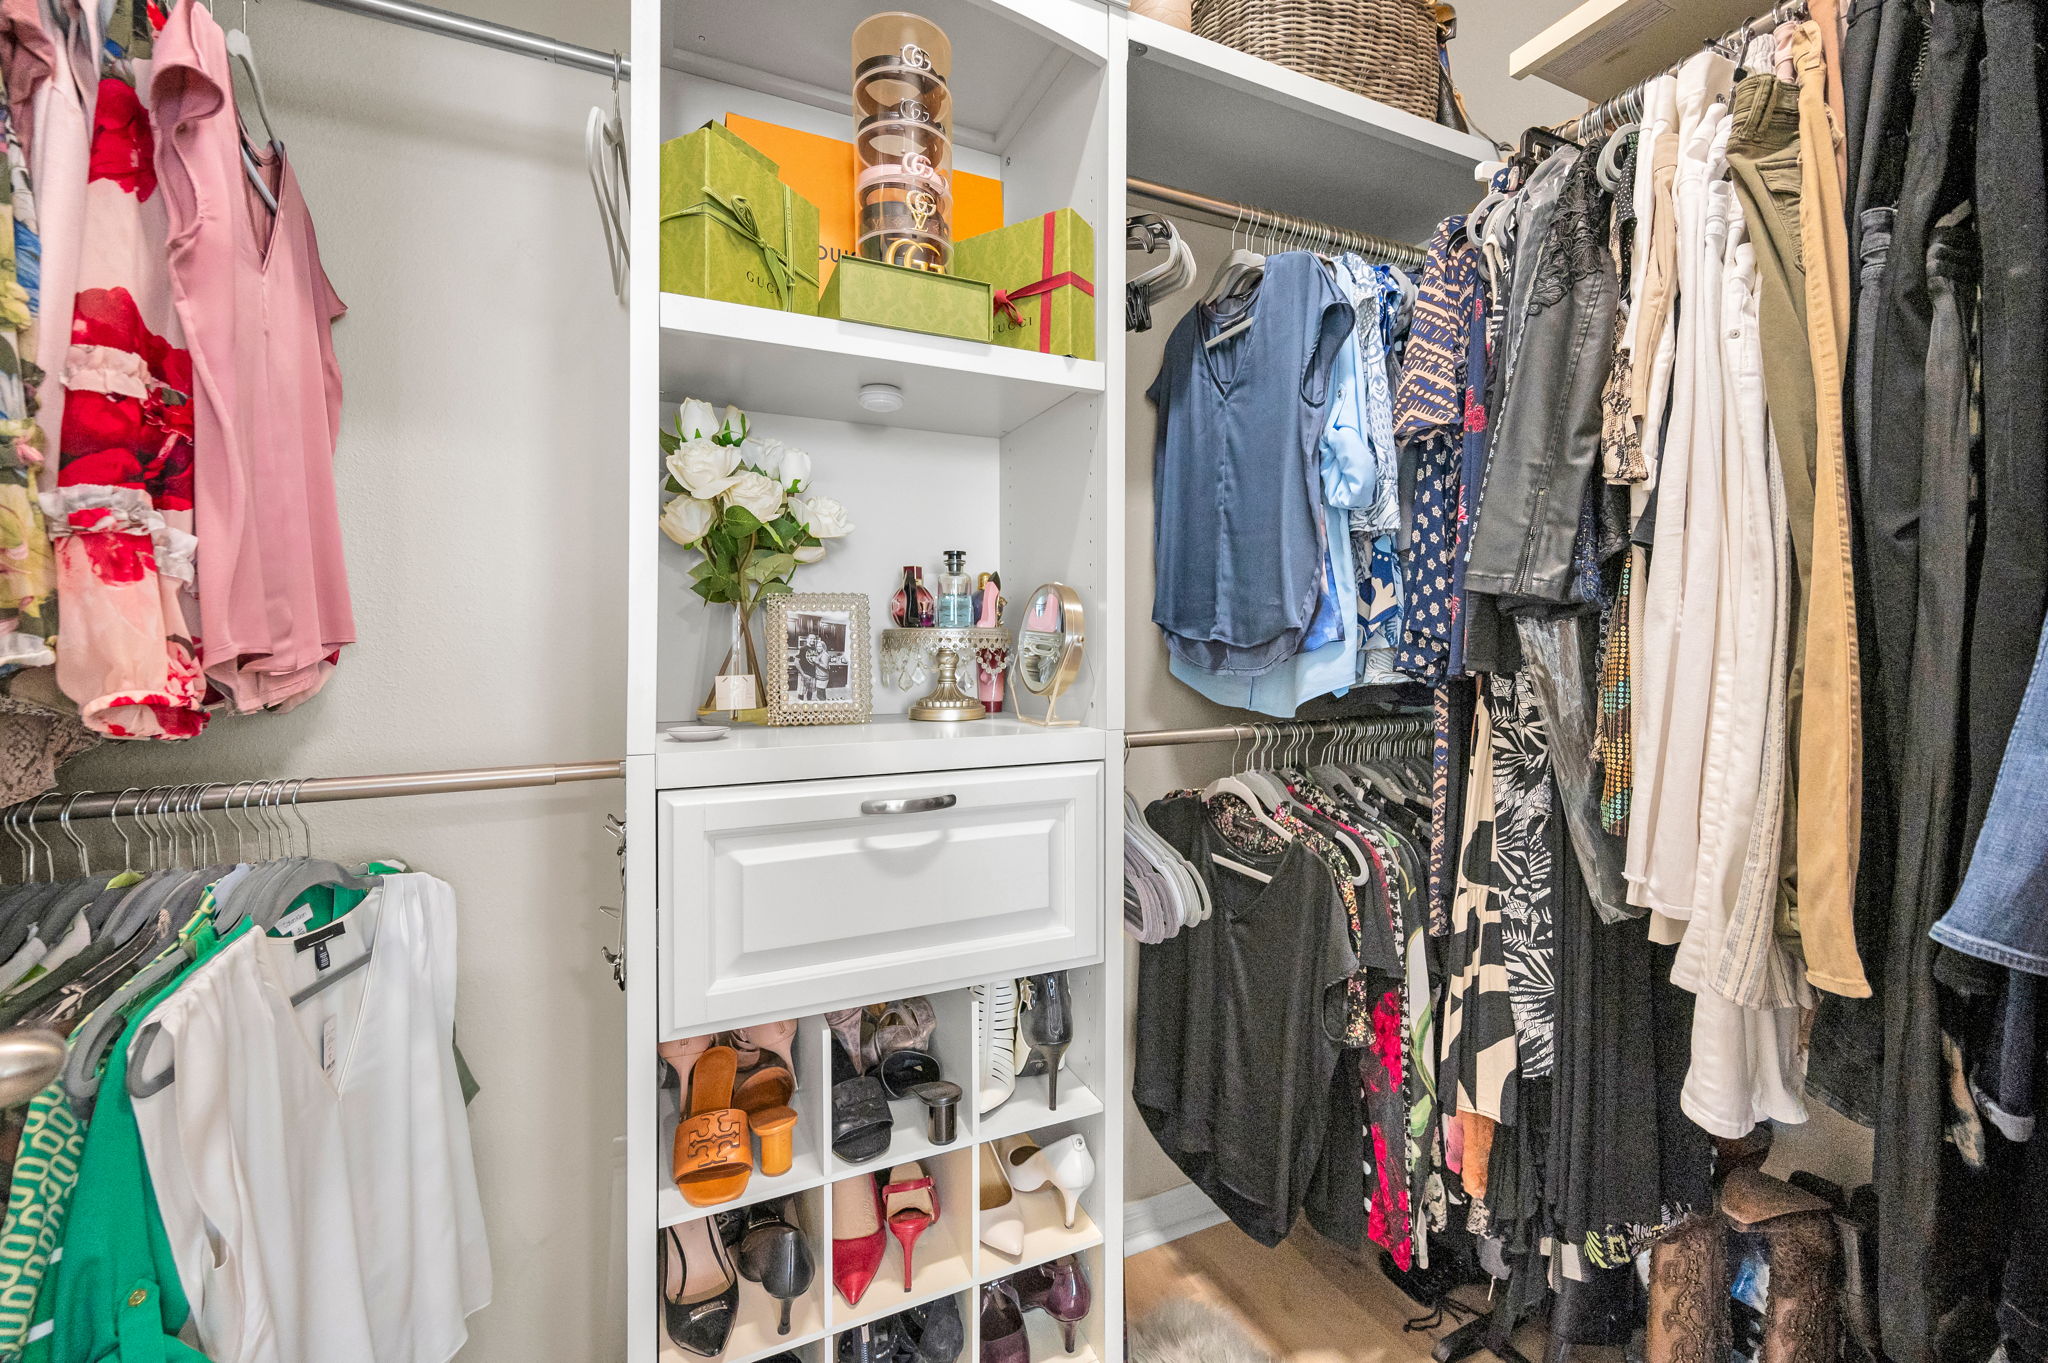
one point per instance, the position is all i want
(713, 1157)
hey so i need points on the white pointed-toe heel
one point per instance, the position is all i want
(1002, 1218)
(1065, 1166)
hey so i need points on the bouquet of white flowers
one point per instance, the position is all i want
(743, 501)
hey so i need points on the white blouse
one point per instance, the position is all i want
(312, 1164)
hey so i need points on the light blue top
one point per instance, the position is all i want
(1350, 479)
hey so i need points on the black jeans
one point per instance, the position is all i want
(1878, 56)
(1918, 1188)
(2011, 189)
(1936, 178)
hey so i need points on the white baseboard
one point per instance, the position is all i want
(1166, 1217)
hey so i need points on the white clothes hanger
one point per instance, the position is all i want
(604, 152)
(242, 54)
(1239, 274)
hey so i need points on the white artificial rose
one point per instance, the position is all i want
(735, 422)
(696, 418)
(795, 468)
(758, 493)
(686, 519)
(764, 452)
(825, 517)
(808, 553)
(703, 468)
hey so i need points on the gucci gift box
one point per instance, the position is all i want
(730, 229)
(1039, 272)
(910, 300)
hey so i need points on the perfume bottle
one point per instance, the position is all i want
(956, 592)
(912, 606)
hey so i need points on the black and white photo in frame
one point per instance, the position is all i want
(819, 658)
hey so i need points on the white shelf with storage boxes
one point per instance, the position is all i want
(962, 1250)
(761, 360)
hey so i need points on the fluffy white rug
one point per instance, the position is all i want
(1190, 1332)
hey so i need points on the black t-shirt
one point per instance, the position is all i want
(1239, 1023)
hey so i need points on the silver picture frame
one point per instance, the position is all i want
(819, 658)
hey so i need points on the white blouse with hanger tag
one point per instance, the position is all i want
(312, 1163)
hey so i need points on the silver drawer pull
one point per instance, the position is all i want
(922, 804)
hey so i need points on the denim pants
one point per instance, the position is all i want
(2001, 915)
(1848, 1033)
(1920, 1279)
(2010, 191)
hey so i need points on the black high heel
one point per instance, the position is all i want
(1047, 1026)
(700, 1296)
(775, 1254)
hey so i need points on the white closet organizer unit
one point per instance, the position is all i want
(769, 875)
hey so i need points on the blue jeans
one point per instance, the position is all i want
(2001, 915)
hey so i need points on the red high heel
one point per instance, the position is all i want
(910, 1204)
(857, 1240)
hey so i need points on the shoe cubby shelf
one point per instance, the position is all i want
(815, 1164)
(949, 1258)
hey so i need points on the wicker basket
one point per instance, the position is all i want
(1382, 49)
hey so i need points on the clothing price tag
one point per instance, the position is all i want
(330, 1043)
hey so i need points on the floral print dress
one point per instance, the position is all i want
(28, 574)
(123, 504)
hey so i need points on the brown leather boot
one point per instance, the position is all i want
(1803, 1318)
(1688, 1314)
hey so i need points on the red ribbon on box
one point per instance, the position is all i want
(1006, 303)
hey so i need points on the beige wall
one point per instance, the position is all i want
(481, 488)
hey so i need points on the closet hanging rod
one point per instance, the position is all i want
(56, 805)
(1376, 726)
(515, 40)
(1627, 106)
(1224, 213)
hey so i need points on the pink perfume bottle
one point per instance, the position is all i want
(913, 590)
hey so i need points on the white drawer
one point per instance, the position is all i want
(780, 900)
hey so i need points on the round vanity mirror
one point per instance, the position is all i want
(1049, 647)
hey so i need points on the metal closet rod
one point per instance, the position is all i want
(515, 40)
(1377, 726)
(98, 804)
(1224, 213)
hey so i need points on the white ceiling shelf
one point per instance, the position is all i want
(1209, 118)
(1604, 46)
(762, 360)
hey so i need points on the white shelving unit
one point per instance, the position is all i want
(1605, 46)
(1209, 118)
(756, 887)
(1014, 456)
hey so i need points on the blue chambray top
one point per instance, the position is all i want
(1238, 539)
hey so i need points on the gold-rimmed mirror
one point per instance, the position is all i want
(1049, 644)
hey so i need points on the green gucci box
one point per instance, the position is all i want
(911, 300)
(731, 230)
(1040, 271)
